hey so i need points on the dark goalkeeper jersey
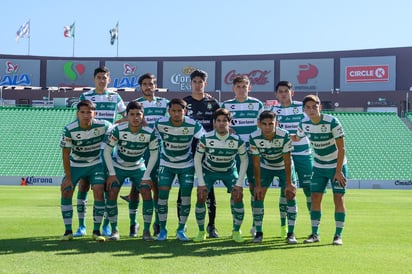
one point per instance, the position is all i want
(202, 111)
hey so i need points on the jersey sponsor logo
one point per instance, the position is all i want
(372, 73)
(236, 122)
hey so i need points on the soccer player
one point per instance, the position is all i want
(289, 113)
(215, 160)
(81, 141)
(201, 107)
(108, 103)
(245, 111)
(131, 141)
(154, 107)
(271, 148)
(177, 133)
(327, 138)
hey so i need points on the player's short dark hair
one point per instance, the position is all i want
(267, 114)
(101, 69)
(150, 76)
(240, 79)
(283, 84)
(134, 105)
(199, 73)
(177, 101)
(86, 103)
(224, 112)
(311, 98)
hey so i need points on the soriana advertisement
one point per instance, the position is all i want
(308, 74)
(70, 73)
(176, 74)
(368, 73)
(260, 73)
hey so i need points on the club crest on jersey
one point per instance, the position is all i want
(250, 106)
(185, 131)
(110, 98)
(295, 110)
(158, 103)
(96, 132)
(323, 128)
(209, 106)
(231, 144)
(141, 137)
(276, 142)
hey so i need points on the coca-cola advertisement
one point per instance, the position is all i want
(260, 73)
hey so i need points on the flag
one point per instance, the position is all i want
(69, 31)
(23, 31)
(114, 33)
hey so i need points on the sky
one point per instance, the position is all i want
(203, 28)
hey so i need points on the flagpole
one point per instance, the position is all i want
(28, 46)
(74, 34)
(73, 45)
(117, 43)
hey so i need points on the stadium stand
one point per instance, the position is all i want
(409, 116)
(379, 145)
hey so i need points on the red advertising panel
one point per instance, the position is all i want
(371, 73)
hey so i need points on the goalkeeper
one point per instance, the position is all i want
(271, 147)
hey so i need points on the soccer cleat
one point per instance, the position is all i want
(147, 237)
(253, 231)
(98, 237)
(125, 197)
(107, 230)
(114, 236)
(237, 237)
(290, 239)
(258, 237)
(162, 235)
(180, 235)
(337, 240)
(313, 238)
(156, 230)
(283, 232)
(211, 229)
(81, 231)
(201, 236)
(68, 236)
(134, 231)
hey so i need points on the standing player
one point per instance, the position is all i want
(215, 160)
(154, 107)
(108, 104)
(81, 142)
(177, 133)
(289, 113)
(201, 107)
(327, 138)
(245, 111)
(270, 147)
(131, 141)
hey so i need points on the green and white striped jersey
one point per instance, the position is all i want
(322, 137)
(245, 115)
(131, 146)
(154, 110)
(107, 104)
(271, 151)
(289, 118)
(220, 152)
(176, 144)
(85, 145)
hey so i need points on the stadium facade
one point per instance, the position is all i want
(358, 80)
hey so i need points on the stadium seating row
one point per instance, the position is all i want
(378, 145)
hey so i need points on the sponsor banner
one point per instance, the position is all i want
(67, 73)
(368, 73)
(19, 72)
(125, 74)
(314, 75)
(31, 180)
(260, 73)
(176, 75)
(385, 184)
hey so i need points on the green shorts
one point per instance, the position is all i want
(229, 178)
(135, 176)
(303, 167)
(267, 176)
(321, 177)
(184, 175)
(94, 174)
